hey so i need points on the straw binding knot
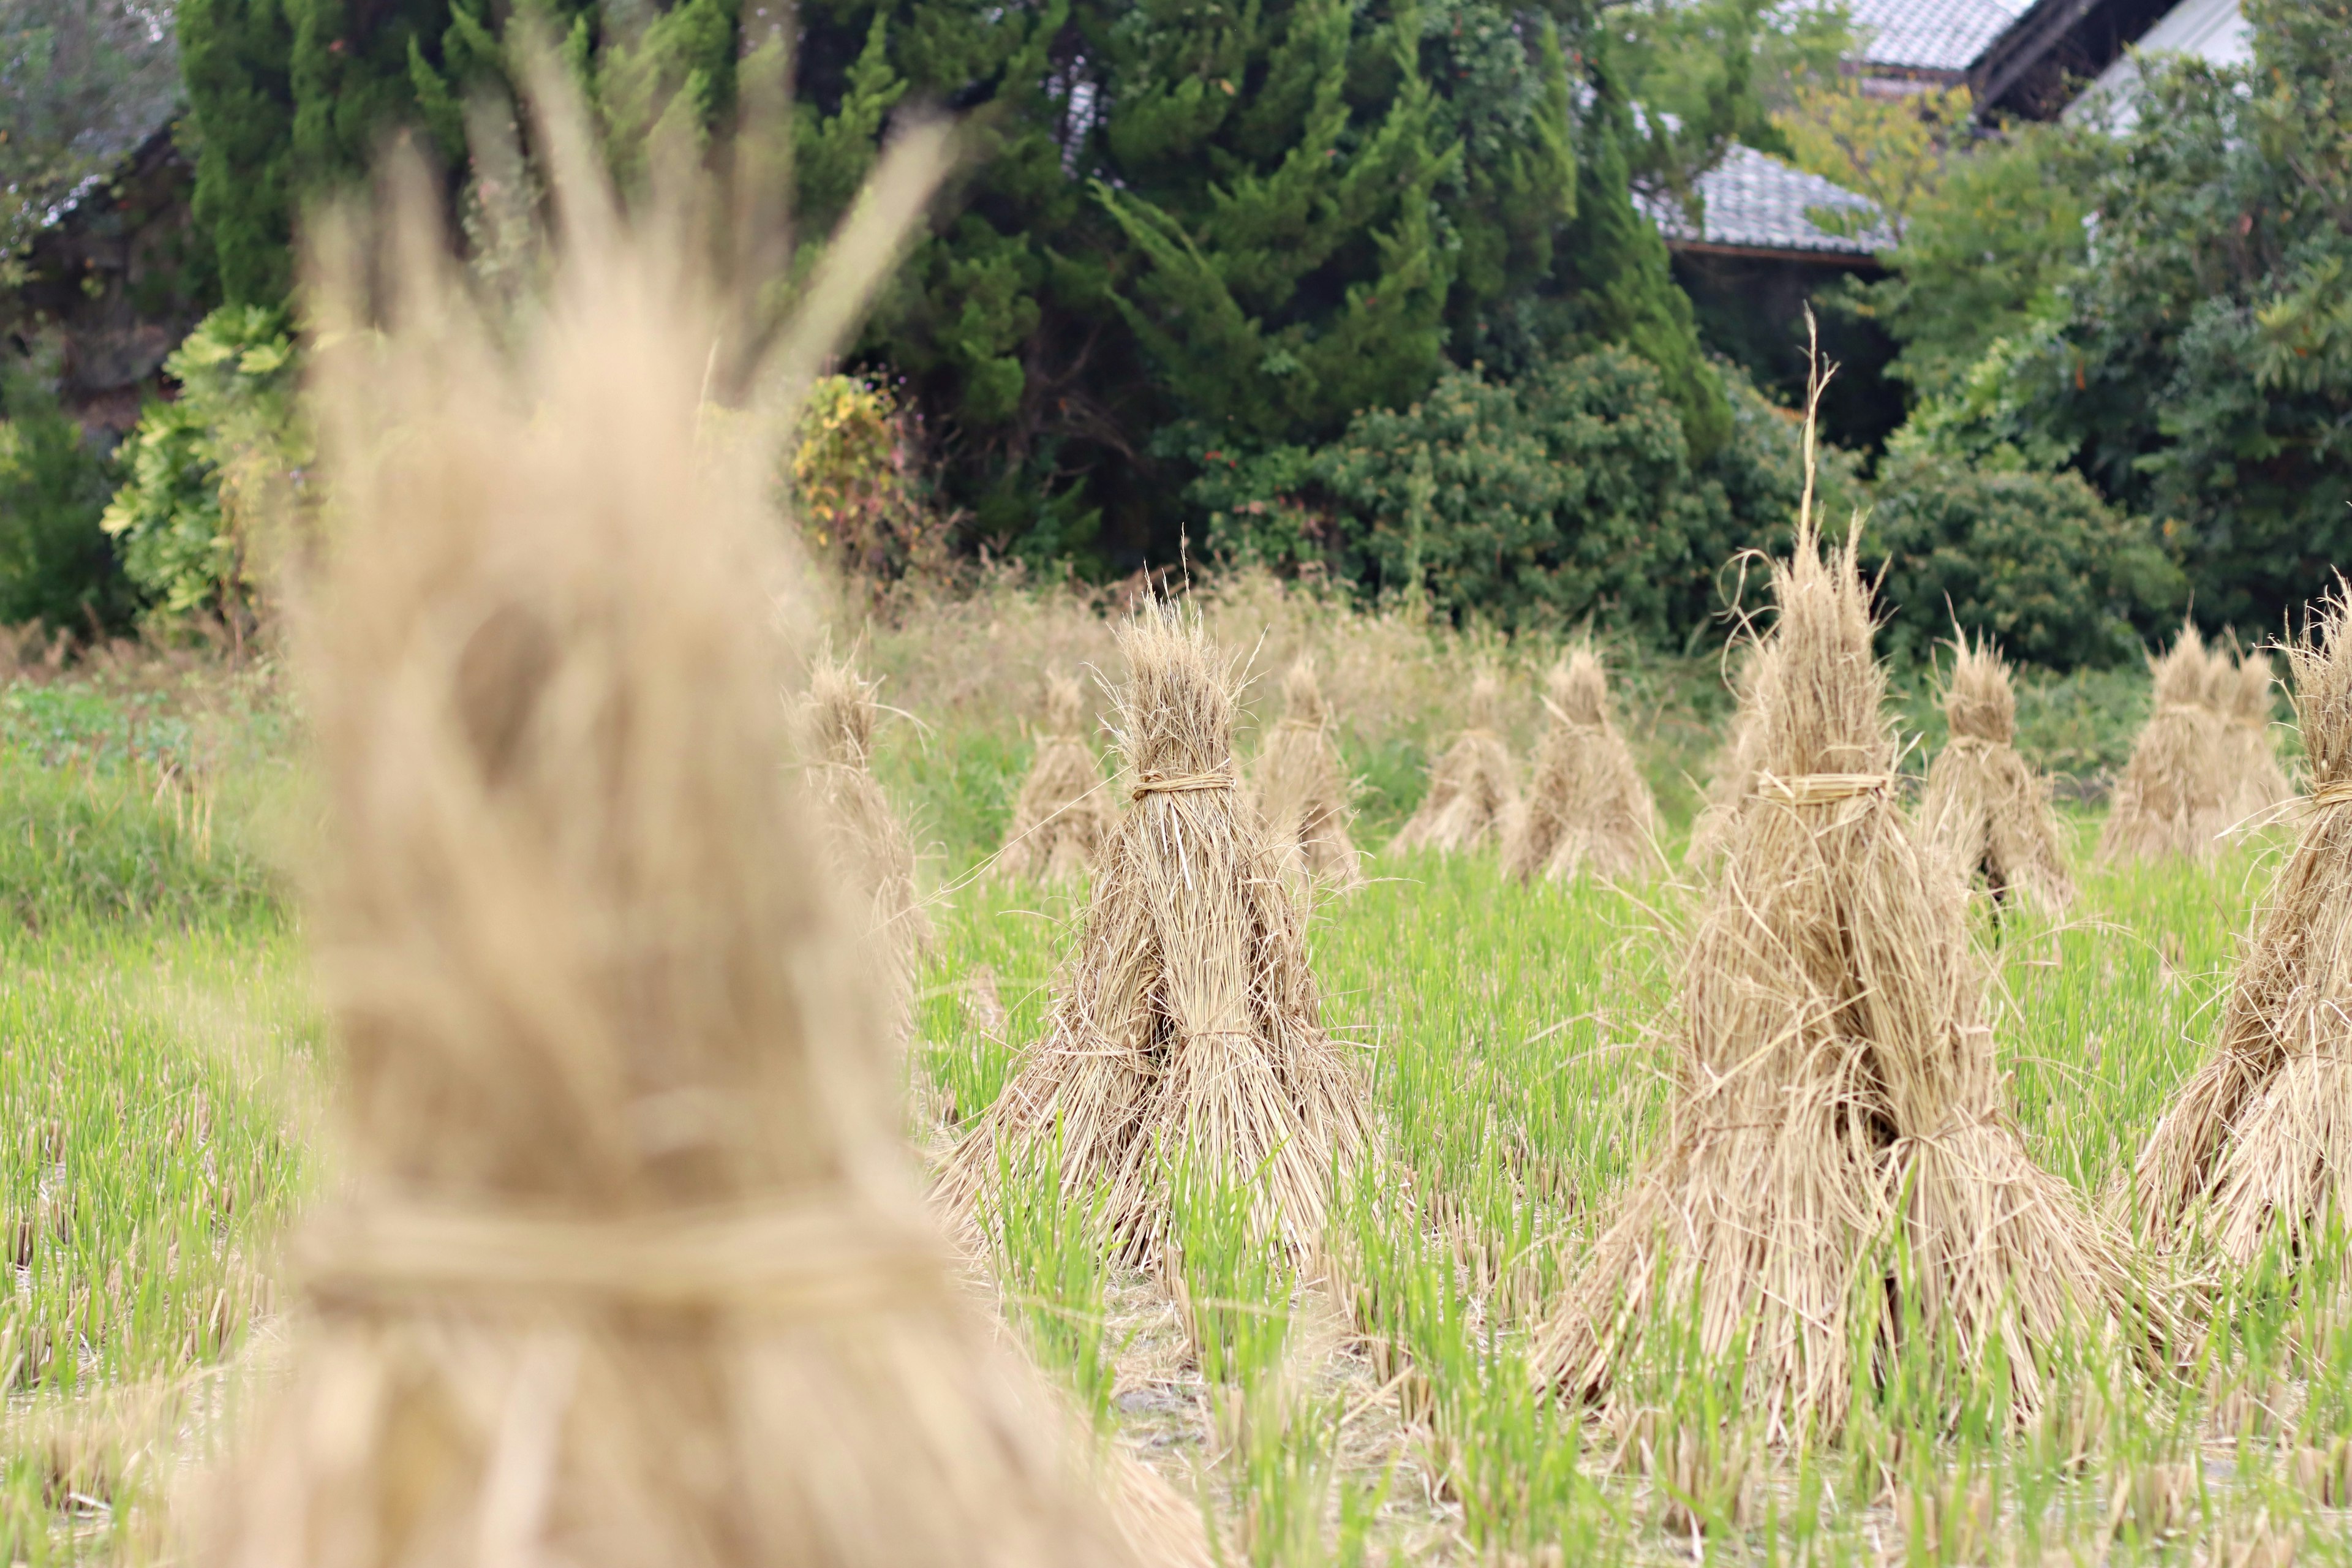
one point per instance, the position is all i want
(800, 1260)
(1820, 789)
(2335, 792)
(1179, 783)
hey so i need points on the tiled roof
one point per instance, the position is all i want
(1931, 35)
(1756, 201)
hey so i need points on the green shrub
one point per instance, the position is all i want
(2036, 561)
(56, 564)
(1570, 492)
(204, 468)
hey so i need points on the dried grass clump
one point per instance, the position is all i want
(1189, 1031)
(1302, 790)
(1587, 806)
(629, 1268)
(1985, 808)
(1838, 1092)
(2176, 791)
(1474, 787)
(1065, 813)
(2238, 688)
(867, 845)
(2261, 1133)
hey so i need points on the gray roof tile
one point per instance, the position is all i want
(1931, 35)
(1756, 201)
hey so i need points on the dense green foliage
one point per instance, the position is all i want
(2036, 561)
(1986, 247)
(56, 564)
(1569, 493)
(2198, 368)
(202, 469)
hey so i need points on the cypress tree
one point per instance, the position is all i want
(236, 57)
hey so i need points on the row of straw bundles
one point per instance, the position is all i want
(1065, 814)
(630, 1268)
(1838, 1090)
(2261, 1133)
(1586, 806)
(2203, 763)
(1188, 1033)
(1984, 808)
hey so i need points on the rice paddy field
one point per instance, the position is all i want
(160, 1070)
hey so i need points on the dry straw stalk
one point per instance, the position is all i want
(630, 1269)
(1587, 806)
(2238, 688)
(1188, 1033)
(2262, 1133)
(1985, 809)
(1474, 787)
(1064, 812)
(866, 845)
(2175, 793)
(1837, 1092)
(1302, 791)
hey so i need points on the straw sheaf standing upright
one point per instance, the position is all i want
(2262, 1130)
(1985, 808)
(1587, 806)
(2175, 793)
(1474, 787)
(1302, 791)
(1838, 1090)
(2238, 688)
(1188, 1033)
(1065, 813)
(628, 1268)
(867, 844)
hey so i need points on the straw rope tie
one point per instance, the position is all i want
(798, 1261)
(2335, 792)
(1179, 783)
(1820, 789)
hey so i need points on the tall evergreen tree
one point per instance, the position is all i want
(237, 58)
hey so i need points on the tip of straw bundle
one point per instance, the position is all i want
(1064, 705)
(1978, 701)
(2180, 669)
(842, 713)
(1578, 687)
(1175, 711)
(2322, 665)
(1819, 691)
(1485, 701)
(1302, 695)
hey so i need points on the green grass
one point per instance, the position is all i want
(156, 1049)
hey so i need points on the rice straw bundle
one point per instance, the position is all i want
(630, 1269)
(1586, 804)
(1190, 1030)
(1474, 786)
(2175, 793)
(1985, 809)
(2238, 688)
(1734, 776)
(1064, 814)
(2262, 1130)
(867, 845)
(1302, 791)
(1838, 1090)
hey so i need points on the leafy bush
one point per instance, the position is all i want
(856, 486)
(205, 467)
(56, 565)
(1569, 493)
(2036, 561)
(2198, 368)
